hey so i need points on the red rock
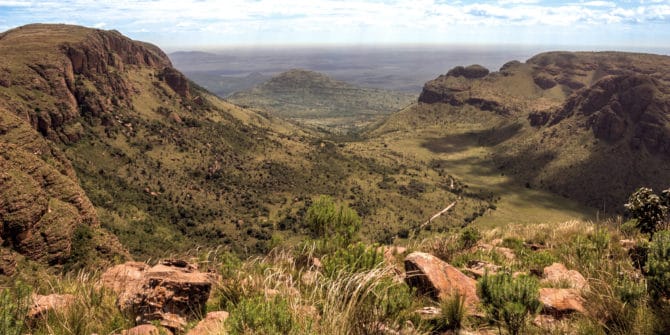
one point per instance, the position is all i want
(557, 272)
(211, 324)
(172, 292)
(560, 301)
(432, 276)
(142, 330)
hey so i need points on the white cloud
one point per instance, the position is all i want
(333, 18)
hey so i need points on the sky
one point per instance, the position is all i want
(202, 24)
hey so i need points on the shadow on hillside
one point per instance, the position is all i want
(455, 143)
(603, 180)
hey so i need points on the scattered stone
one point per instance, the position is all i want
(628, 244)
(477, 268)
(432, 276)
(544, 321)
(561, 301)
(507, 252)
(212, 324)
(557, 273)
(428, 313)
(142, 330)
(43, 304)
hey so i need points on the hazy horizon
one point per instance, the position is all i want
(201, 24)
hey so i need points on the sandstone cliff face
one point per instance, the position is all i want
(632, 107)
(85, 75)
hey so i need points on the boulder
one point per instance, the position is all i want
(43, 304)
(142, 330)
(561, 301)
(212, 324)
(431, 276)
(557, 273)
(172, 292)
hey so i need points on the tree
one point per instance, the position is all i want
(649, 209)
(333, 221)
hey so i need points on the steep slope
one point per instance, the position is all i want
(560, 121)
(169, 167)
(318, 100)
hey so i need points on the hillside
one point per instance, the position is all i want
(558, 122)
(317, 100)
(110, 134)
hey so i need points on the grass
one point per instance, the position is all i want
(271, 294)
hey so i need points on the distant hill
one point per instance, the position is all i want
(588, 126)
(318, 100)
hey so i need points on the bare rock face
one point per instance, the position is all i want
(7, 261)
(620, 107)
(42, 304)
(436, 278)
(213, 323)
(41, 208)
(177, 81)
(561, 301)
(85, 75)
(557, 273)
(172, 292)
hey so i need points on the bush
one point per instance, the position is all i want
(452, 313)
(327, 220)
(14, 307)
(469, 237)
(657, 269)
(260, 316)
(509, 300)
(650, 210)
(354, 258)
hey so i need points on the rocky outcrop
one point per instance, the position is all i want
(561, 301)
(433, 277)
(621, 107)
(557, 273)
(474, 71)
(41, 208)
(544, 81)
(84, 75)
(177, 81)
(172, 292)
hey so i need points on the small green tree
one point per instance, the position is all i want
(649, 209)
(334, 221)
(509, 300)
(657, 269)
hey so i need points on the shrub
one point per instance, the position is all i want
(452, 313)
(469, 237)
(327, 219)
(649, 209)
(15, 304)
(259, 315)
(354, 258)
(657, 269)
(509, 300)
